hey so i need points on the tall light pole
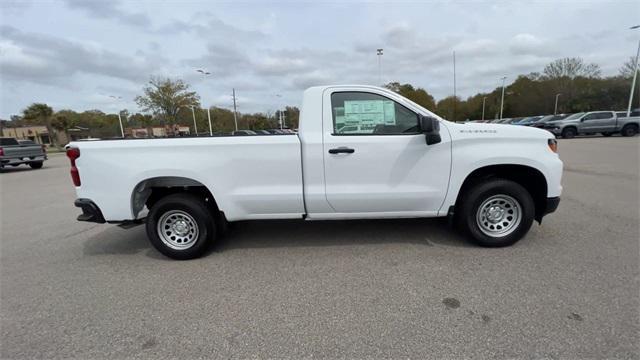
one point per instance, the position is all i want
(206, 73)
(502, 101)
(635, 75)
(193, 112)
(454, 86)
(119, 116)
(121, 128)
(484, 98)
(379, 53)
(209, 118)
(279, 101)
(555, 109)
(235, 111)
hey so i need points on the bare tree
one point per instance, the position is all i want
(571, 68)
(627, 69)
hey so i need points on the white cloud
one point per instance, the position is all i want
(262, 49)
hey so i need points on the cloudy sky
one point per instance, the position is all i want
(76, 53)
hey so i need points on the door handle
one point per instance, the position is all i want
(341, 150)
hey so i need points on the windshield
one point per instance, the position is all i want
(574, 116)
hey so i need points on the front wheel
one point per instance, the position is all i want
(629, 130)
(180, 226)
(569, 133)
(496, 213)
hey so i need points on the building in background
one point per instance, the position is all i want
(36, 133)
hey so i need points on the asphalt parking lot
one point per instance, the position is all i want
(350, 289)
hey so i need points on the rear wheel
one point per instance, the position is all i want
(569, 133)
(629, 130)
(496, 212)
(180, 226)
(36, 164)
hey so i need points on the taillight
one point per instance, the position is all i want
(44, 148)
(73, 154)
(553, 145)
(1, 151)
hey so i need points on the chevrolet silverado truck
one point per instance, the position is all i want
(14, 153)
(361, 152)
(589, 123)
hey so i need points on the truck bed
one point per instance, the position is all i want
(111, 171)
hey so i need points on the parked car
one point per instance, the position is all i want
(587, 123)
(14, 153)
(244, 133)
(490, 180)
(528, 120)
(275, 131)
(541, 122)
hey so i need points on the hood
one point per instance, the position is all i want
(483, 130)
(562, 121)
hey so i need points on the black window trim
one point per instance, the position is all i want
(333, 120)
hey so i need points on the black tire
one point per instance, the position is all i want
(36, 164)
(178, 205)
(569, 133)
(474, 198)
(629, 130)
(606, 134)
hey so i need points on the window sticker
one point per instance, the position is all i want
(364, 115)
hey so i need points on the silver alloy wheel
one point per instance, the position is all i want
(499, 215)
(177, 229)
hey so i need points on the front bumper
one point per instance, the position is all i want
(551, 205)
(90, 211)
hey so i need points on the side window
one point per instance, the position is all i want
(591, 117)
(361, 113)
(605, 115)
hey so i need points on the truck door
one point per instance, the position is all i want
(375, 158)
(602, 121)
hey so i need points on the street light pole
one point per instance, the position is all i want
(555, 110)
(119, 116)
(502, 101)
(635, 75)
(193, 112)
(235, 112)
(454, 86)
(206, 73)
(379, 53)
(121, 128)
(483, 101)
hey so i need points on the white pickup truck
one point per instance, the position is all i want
(361, 152)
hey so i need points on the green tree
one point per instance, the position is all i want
(418, 95)
(40, 114)
(292, 114)
(165, 97)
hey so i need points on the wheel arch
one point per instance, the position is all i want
(532, 179)
(148, 191)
